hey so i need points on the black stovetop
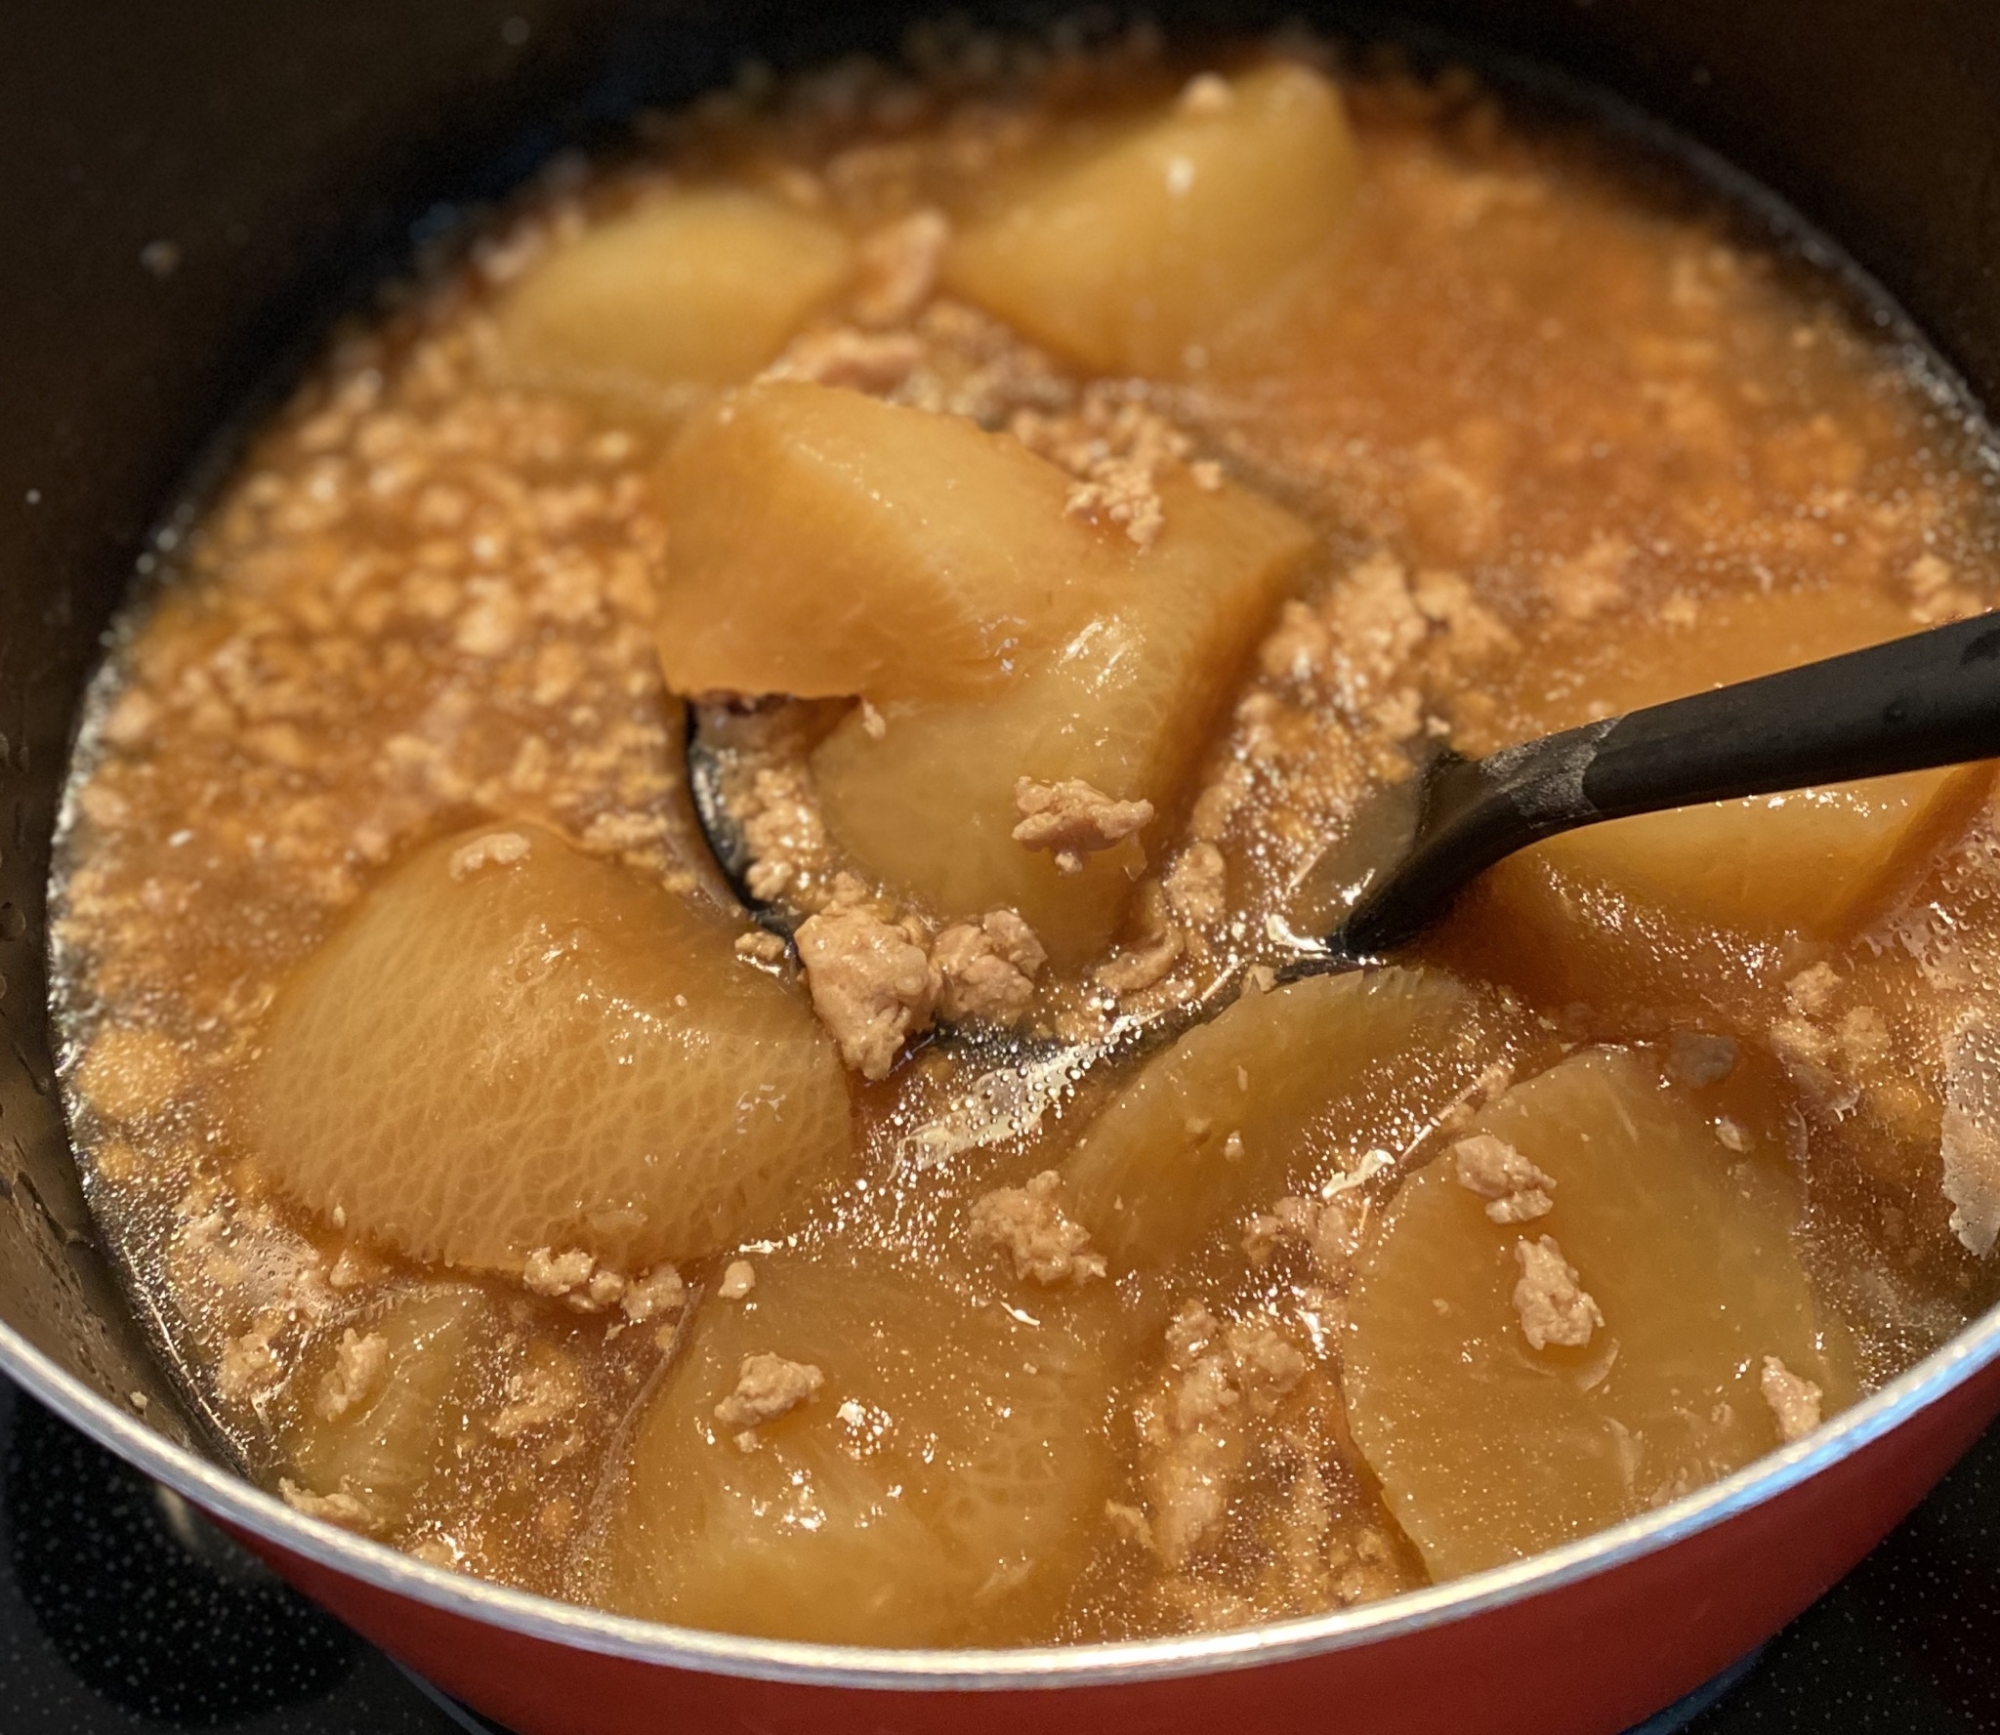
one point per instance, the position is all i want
(122, 1614)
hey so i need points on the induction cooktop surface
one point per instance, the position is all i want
(123, 1613)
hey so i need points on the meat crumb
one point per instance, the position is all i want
(1583, 586)
(659, 1291)
(1029, 1224)
(861, 361)
(1196, 886)
(1126, 496)
(1131, 1523)
(1298, 648)
(1191, 1428)
(1472, 630)
(1811, 993)
(358, 1366)
(899, 267)
(342, 1508)
(1071, 819)
(1553, 1306)
(1331, 1230)
(537, 1395)
(353, 1267)
(435, 1551)
(1116, 446)
(131, 1074)
(1795, 1402)
(873, 724)
(760, 946)
(496, 849)
(1865, 1042)
(782, 830)
(872, 985)
(1266, 1365)
(1808, 1052)
(1935, 595)
(767, 1387)
(1372, 627)
(987, 969)
(546, 1272)
(1263, 1235)
(604, 1289)
(1516, 1190)
(1205, 96)
(1970, 1134)
(1216, 806)
(249, 1367)
(737, 1281)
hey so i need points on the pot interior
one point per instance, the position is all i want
(187, 211)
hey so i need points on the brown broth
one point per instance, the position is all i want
(1560, 396)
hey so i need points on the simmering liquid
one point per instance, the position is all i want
(1060, 485)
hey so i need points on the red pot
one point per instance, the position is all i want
(1586, 1640)
(184, 197)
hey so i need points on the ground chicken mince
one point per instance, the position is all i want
(1037, 497)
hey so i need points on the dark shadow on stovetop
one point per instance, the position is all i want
(110, 1625)
(121, 1614)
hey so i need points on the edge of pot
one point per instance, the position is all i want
(230, 1497)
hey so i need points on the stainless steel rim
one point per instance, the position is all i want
(230, 1497)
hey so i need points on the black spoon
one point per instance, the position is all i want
(1914, 703)
(1903, 706)
(722, 831)
(1927, 700)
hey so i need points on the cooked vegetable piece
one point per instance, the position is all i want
(510, 1046)
(1151, 246)
(826, 543)
(939, 1483)
(1488, 1447)
(1818, 862)
(929, 804)
(693, 289)
(1283, 1092)
(372, 1416)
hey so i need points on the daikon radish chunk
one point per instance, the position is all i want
(1517, 1382)
(509, 1046)
(825, 543)
(1283, 1091)
(692, 289)
(929, 804)
(862, 1454)
(1150, 247)
(1816, 862)
(371, 1415)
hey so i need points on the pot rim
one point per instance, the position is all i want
(230, 1497)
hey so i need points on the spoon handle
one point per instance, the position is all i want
(1930, 699)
